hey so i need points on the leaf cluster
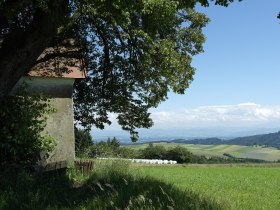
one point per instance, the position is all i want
(23, 119)
(83, 141)
(135, 52)
(111, 149)
(179, 154)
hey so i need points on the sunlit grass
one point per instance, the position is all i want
(240, 187)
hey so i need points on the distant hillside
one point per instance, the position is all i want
(271, 139)
(208, 141)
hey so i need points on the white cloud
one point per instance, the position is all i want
(245, 114)
(240, 115)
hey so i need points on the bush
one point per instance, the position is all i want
(83, 142)
(101, 149)
(115, 143)
(124, 152)
(153, 152)
(23, 119)
(111, 148)
(180, 154)
(201, 159)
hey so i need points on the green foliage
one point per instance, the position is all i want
(124, 152)
(111, 148)
(180, 154)
(154, 152)
(135, 51)
(102, 149)
(23, 119)
(83, 141)
(114, 142)
(215, 153)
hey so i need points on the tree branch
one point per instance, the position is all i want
(20, 50)
(69, 54)
(69, 23)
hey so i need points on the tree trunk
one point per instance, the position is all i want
(20, 50)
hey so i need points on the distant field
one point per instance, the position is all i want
(239, 187)
(254, 152)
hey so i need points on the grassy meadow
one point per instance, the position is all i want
(112, 185)
(253, 152)
(122, 185)
(235, 186)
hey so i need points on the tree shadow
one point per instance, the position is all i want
(112, 191)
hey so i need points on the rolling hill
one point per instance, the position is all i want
(238, 151)
(271, 139)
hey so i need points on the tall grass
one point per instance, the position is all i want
(246, 186)
(112, 185)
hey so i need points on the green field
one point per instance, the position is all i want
(238, 187)
(115, 184)
(254, 152)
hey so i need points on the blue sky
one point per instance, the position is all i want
(241, 62)
(237, 80)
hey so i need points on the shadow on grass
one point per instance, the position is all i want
(111, 191)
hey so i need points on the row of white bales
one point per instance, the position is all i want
(144, 161)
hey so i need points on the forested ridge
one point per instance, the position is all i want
(270, 139)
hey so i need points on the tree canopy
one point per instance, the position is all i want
(135, 52)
